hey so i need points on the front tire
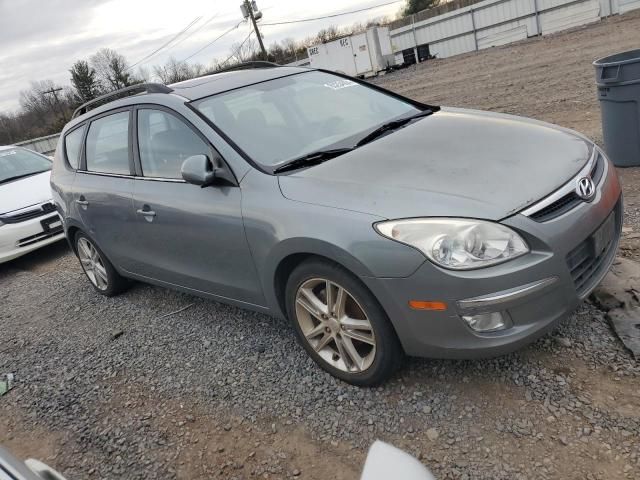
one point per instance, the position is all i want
(98, 269)
(341, 325)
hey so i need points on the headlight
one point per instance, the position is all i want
(458, 244)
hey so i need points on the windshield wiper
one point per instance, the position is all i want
(392, 125)
(17, 177)
(313, 158)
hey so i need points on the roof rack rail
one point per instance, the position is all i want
(138, 88)
(248, 65)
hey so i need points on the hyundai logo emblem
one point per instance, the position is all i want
(585, 188)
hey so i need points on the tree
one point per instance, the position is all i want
(415, 6)
(244, 52)
(35, 100)
(112, 69)
(83, 79)
(177, 71)
(42, 111)
(327, 34)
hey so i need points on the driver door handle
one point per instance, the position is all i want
(82, 202)
(146, 213)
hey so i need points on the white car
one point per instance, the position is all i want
(28, 217)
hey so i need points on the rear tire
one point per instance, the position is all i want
(345, 331)
(98, 269)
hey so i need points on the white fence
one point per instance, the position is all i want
(45, 145)
(492, 23)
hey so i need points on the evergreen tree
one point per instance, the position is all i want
(83, 79)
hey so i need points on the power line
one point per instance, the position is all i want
(237, 49)
(287, 22)
(213, 41)
(191, 24)
(194, 31)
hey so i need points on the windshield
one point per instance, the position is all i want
(289, 117)
(18, 162)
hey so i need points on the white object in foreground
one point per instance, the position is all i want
(385, 461)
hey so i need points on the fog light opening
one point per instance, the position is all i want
(487, 322)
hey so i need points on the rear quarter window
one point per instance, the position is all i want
(72, 144)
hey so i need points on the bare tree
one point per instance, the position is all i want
(327, 34)
(43, 111)
(143, 74)
(36, 100)
(112, 69)
(177, 71)
(243, 52)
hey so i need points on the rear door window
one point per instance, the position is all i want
(107, 148)
(165, 142)
(72, 143)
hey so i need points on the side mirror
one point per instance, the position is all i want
(199, 170)
(385, 461)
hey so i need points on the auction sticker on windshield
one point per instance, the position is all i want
(339, 84)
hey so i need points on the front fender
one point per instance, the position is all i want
(277, 227)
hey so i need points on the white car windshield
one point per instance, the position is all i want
(17, 163)
(289, 117)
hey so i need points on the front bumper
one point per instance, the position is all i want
(534, 291)
(17, 239)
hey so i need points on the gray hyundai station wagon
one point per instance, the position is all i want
(378, 225)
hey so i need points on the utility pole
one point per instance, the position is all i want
(54, 92)
(250, 9)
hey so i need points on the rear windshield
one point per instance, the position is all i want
(18, 163)
(288, 117)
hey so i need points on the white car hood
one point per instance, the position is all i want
(25, 192)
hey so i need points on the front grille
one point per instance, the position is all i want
(597, 170)
(39, 211)
(38, 237)
(571, 199)
(557, 208)
(585, 264)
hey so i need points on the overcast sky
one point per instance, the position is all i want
(41, 39)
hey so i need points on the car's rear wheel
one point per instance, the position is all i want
(96, 266)
(341, 325)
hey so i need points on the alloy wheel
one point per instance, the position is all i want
(92, 264)
(335, 325)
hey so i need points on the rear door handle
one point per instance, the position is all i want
(146, 213)
(81, 201)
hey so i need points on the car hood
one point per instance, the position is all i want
(455, 162)
(25, 192)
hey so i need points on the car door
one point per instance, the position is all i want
(103, 190)
(187, 236)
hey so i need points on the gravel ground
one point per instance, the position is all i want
(120, 384)
(158, 384)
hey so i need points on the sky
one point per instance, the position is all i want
(41, 39)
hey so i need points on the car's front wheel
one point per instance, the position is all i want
(96, 266)
(341, 325)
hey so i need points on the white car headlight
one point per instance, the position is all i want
(457, 243)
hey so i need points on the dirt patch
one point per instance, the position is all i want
(28, 439)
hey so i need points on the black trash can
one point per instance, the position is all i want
(618, 79)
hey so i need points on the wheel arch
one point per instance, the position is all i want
(291, 253)
(71, 231)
